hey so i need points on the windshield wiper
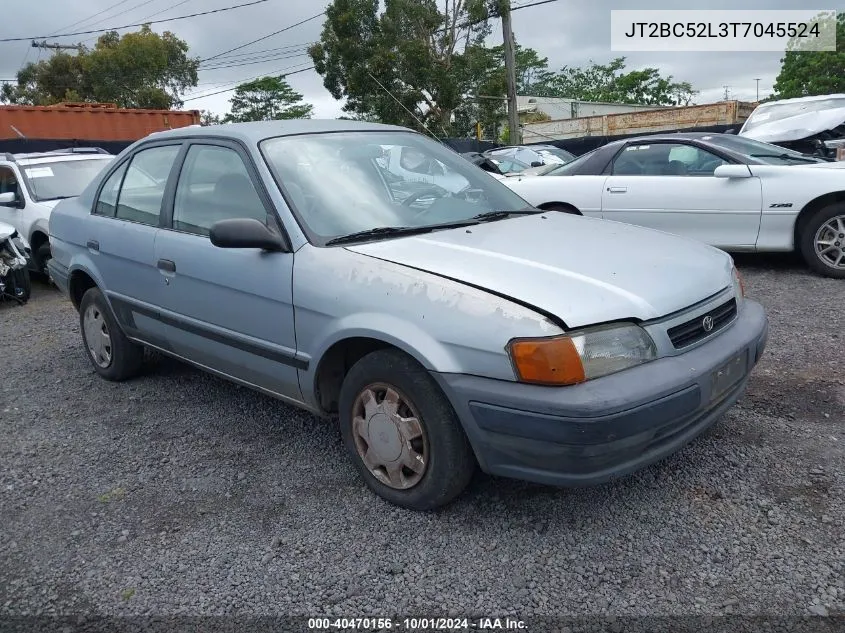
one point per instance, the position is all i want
(395, 231)
(800, 159)
(490, 216)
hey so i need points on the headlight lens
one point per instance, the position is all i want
(739, 286)
(582, 355)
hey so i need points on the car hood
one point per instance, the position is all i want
(795, 128)
(584, 271)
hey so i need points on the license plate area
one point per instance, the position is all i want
(722, 379)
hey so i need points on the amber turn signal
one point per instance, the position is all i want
(548, 361)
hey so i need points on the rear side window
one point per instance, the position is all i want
(107, 202)
(214, 185)
(142, 190)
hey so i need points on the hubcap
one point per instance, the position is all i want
(97, 336)
(829, 245)
(389, 436)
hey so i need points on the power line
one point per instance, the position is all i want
(114, 6)
(129, 26)
(263, 50)
(170, 8)
(124, 12)
(251, 63)
(261, 39)
(280, 72)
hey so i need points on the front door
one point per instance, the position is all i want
(227, 309)
(671, 187)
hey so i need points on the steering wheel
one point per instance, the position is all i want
(437, 192)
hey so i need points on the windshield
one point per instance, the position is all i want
(779, 111)
(348, 182)
(62, 179)
(760, 151)
(555, 155)
(567, 168)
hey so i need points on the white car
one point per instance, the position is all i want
(32, 184)
(730, 192)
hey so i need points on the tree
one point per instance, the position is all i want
(809, 73)
(267, 99)
(609, 83)
(407, 64)
(138, 70)
(207, 117)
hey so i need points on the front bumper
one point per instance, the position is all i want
(606, 428)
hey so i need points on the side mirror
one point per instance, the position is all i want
(8, 199)
(732, 171)
(537, 163)
(245, 233)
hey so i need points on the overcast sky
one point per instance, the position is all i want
(568, 32)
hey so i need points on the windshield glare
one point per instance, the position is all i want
(774, 154)
(62, 179)
(346, 182)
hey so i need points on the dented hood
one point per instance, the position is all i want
(795, 128)
(582, 270)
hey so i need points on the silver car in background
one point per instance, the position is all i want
(445, 328)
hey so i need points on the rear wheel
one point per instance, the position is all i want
(822, 241)
(402, 433)
(113, 356)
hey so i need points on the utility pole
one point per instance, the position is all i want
(727, 92)
(43, 44)
(510, 72)
(758, 89)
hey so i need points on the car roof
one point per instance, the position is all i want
(254, 132)
(29, 159)
(673, 136)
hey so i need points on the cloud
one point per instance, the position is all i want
(566, 32)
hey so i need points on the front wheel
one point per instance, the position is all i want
(822, 241)
(402, 433)
(42, 256)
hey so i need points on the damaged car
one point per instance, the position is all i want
(810, 125)
(15, 283)
(477, 331)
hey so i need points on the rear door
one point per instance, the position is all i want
(121, 236)
(230, 310)
(671, 187)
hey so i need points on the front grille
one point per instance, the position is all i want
(693, 330)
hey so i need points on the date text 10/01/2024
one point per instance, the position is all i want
(417, 624)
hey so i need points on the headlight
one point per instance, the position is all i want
(739, 287)
(581, 355)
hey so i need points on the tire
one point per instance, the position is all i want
(828, 225)
(42, 256)
(121, 358)
(448, 463)
(22, 284)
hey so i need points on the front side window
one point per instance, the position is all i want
(346, 182)
(55, 180)
(214, 185)
(665, 159)
(143, 186)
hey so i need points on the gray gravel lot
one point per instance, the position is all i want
(178, 493)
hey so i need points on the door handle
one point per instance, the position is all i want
(94, 245)
(167, 266)
(617, 189)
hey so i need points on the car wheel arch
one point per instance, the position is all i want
(37, 238)
(810, 208)
(564, 207)
(79, 282)
(344, 351)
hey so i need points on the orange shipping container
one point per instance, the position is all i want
(89, 122)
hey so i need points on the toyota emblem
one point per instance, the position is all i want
(707, 323)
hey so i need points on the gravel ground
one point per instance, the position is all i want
(178, 493)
